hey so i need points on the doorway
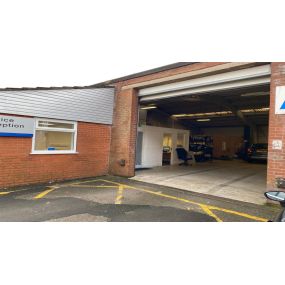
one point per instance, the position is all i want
(139, 149)
(167, 149)
(223, 125)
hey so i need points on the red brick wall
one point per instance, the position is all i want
(276, 158)
(19, 167)
(124, 133)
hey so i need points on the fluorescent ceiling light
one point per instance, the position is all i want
(255, 110)
(203, 114)
(221, 113)
(262, 93)
(203, 120)
(148, 107)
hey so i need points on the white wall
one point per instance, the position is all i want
(153, 144)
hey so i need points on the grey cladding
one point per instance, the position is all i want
(87, 105)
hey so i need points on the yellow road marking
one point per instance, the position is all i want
(210, 213)
(44, 193)
(80, 182)
(189, 201)
(119, 197)
(90, 186)
(88, 181)
(12, 191)
(116, 183)
(238, 214)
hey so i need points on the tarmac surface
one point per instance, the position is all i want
(116, 199)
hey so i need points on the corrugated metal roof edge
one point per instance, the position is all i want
(143, 73)
(52, 88)
(106, 84)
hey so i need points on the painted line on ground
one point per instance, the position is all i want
(44, 193)
(52, 188)
(119, 196)
(12, 191)
(90, 186)
(210, 213)
(238, 214)
(81, 182)
(87, 181)
(245, 215)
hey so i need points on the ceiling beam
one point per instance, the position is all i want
(228, 105)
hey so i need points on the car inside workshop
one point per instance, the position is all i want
(207, 135)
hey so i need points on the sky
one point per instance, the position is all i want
(55, 43)
(77, 43)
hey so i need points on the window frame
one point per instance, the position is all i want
(74, 131)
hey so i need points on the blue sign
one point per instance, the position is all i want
(16, 135)
(280, 100)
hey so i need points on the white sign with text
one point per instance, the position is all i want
(12, 126)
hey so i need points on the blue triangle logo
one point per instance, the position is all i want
(283, 106)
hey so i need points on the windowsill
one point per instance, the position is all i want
(54, 152)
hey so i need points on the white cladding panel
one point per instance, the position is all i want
(94, 105)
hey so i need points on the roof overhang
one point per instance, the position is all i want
(228, 80)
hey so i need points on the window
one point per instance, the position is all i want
(52, 137)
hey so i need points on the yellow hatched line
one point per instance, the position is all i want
(119, 196)
(87, 181)
(191, 202)
(12, 191)
(238, 214)
(210, 213)
(90, 186)
(44, 193)
(52, 188)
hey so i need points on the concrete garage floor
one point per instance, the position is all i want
(235, 179)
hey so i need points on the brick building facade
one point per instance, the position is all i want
(20, 167)
(276, 158)
(109, 148)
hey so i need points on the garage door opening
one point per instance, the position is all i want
(226, 131)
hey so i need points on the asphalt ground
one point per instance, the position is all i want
(118, 199)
